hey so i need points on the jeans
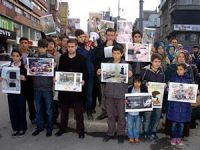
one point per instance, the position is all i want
(17, 110)
(43, 103)
(89, 93)
(151, 120)
(177, 130)
(133, 126)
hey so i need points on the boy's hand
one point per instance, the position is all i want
(22, 77)
(130, 73)
(1, 78)
(26, 66)
(109, 43)
(82, 82)
(99, 72)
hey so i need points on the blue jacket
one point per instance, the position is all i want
(89, 57)
(179, 111)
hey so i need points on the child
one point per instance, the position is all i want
(133, 118)
(17, 102)
(152, 73)
(115, 103)
(179, 112)
(43, 94)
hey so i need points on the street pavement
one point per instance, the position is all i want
(95, 131)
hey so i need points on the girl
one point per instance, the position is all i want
(179, 112)
(17, 102)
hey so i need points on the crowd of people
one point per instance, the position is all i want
(169, 63)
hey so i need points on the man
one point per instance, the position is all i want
(196, 55)
(64, 40)
(72, 62)
(100, 57)
(29, 94)
(174, 42)
(88, 53)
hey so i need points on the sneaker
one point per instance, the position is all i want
(36, 132)
(137, 141)
(107, 138)
(179, 141)
(15, 133)
(173, 141)
(146, 137)
(60, 132)
(154, 136)
(81, 135)
(120, 139)
(22, 132)
(49, 133)
(130, 140)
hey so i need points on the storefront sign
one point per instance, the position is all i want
(186, 27)
(7, 34)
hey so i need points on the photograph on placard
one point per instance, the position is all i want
(124, 31)
(40, 66)
(68, 81)
(48, 24)
(138, 102)
(94, 21)
(136, 52)
(11, 80)
(157, 91)
(112, 72)
(181, 92)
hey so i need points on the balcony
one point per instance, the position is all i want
(10, 13)
(43, 3)
(38, 12)
(25, 21)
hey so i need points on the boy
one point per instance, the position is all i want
(152, 73)
(115, 103)
(43, 94)
(29, 92)
(133, 118)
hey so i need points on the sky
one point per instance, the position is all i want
(81, 8)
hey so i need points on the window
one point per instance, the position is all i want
(27, 15)
(8, 4)
(18, 10)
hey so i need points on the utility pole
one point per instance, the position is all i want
(141, 15)
(118, 17)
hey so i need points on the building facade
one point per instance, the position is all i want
(180, 19)
(20, 18)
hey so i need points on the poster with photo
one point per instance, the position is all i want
(157, 91)
(94, 21)
(40, 66)
(108, 52)
(124, 31)
(138, 102)
(73, 24)
(111, 72)
(48, 24)
(181, 92)
(105, 24)
(149, 35)
(136, 52)
(11, 80)
(68, 81)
